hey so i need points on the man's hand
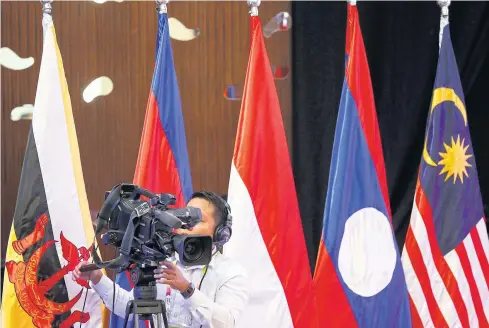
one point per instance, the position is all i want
(171, 276)
(93, 276)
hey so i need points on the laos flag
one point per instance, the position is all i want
(162, 165)
(359, 280)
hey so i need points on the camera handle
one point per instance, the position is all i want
(145, 304)
(113, 198)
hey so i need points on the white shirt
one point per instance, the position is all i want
(219, 303)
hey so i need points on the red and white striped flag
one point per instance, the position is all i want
(445, 257)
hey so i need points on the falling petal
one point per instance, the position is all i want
(11, 60)
(281, 22)
(99, 1)
(180, 32)
(101, 86)
(22, 113)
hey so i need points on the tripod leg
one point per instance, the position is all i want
(151, 322)
(126, 320)
(165, 320)
(158, 319)
(136, 320)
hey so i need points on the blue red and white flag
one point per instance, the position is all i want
(445, 257)
(162, 165)
(359, 280)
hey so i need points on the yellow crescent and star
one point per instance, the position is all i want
(454, 159)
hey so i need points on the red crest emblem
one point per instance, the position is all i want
(31, 293)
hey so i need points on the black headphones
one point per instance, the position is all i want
(223, 231)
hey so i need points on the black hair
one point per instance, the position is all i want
(220, 210)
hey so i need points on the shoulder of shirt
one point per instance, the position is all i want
(228, 268)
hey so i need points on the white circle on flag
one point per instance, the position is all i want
(367, 256)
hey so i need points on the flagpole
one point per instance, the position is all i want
(46, 7)
(444, 4)
(47, 15)
(254, 4)
(444, 7)
(162, 8)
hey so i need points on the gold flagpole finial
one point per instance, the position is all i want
(254, 4)
(162, 8)
(46, 6)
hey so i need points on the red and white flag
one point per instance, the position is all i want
(267, 238)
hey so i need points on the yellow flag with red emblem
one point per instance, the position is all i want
(51, 230)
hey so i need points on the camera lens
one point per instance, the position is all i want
(193, 249)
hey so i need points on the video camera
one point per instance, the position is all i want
(143, 230)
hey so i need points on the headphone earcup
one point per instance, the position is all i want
(222, 235)
(223, 231)
(225, 234)
(215, 238)
(218, 234)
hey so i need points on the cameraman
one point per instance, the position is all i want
(214, 295)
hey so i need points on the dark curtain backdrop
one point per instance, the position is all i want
(401, 40)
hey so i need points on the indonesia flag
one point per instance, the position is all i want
(267, 237)
(162, 165)
(359, 279)
(445, 256)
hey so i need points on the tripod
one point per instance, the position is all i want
(145, 304)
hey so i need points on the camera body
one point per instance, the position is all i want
(143, 229)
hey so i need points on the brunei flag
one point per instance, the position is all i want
(51, 227)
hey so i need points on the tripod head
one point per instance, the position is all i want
(145, 304)
(144, 284)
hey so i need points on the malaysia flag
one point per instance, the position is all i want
(359, 279)
(445, 257)
(162, 165)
